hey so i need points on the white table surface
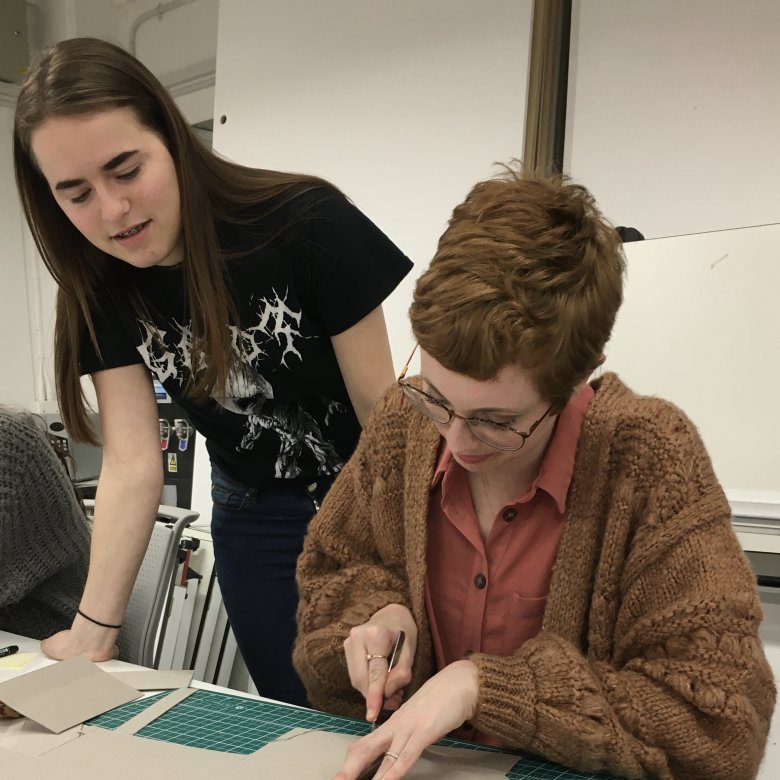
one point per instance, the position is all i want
(27, 645)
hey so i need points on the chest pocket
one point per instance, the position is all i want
(523, 621)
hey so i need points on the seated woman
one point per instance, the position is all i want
(558, 553)
(44, 534)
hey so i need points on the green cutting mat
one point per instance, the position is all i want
(231, 724)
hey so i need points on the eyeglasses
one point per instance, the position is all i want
(502, 436)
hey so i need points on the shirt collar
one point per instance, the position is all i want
(557, 466)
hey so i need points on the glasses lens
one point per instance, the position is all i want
(495, 435)
(423, 404)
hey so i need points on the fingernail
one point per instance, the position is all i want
(370, 715)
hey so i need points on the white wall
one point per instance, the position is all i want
(403, 104)
(182, 38)
(674, 112)
(16, 327)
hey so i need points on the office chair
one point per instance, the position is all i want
(147, 610)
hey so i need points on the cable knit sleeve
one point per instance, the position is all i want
(673, 683)
(352, 563)
(44, 536)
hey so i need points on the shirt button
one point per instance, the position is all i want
(311, 488)
(509, 514)
(480, 581)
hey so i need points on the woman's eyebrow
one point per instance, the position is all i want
(67, 184)
(475, 412)
(114, 162)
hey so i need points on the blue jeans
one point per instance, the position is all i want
(258, 536)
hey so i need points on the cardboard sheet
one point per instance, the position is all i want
(26, 736)
(100, 753)
(313, 755)
(65, 694)
(20, 766)
(319, 754)
(155, 679)
(153, 711)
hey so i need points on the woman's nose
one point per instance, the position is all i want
(114, 206)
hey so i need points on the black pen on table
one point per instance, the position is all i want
(10, 650)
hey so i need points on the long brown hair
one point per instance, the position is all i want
(84, 76)
(534, 274)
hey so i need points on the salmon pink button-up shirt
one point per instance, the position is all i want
(489, 596)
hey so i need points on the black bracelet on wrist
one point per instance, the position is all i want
(97, 622)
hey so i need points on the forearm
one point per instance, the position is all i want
(125, 509)
(326, 614)
(342, 582)
(546, 699)
(667, 717)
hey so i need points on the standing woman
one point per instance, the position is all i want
(253, 296)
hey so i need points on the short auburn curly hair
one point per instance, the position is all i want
(528, 272)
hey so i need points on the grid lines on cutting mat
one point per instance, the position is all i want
(232, 724)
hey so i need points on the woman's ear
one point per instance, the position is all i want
(599, 362)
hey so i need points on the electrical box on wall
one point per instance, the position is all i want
(14, 46)
(86, 459)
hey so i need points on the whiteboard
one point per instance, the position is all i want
(700, 326)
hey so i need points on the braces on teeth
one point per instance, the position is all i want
(130, 232)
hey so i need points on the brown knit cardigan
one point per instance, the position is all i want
(648, 663)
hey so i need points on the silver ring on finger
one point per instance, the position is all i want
(390, 754)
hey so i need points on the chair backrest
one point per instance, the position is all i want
(146, 614)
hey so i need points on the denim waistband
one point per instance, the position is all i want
(316, 489)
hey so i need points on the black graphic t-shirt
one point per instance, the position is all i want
(299, 275)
